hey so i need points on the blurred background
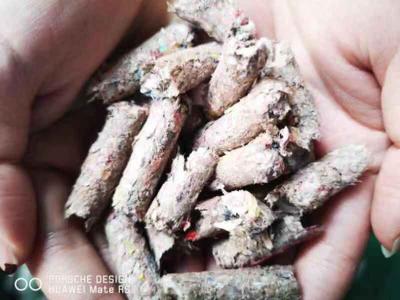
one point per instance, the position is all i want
(377, 278)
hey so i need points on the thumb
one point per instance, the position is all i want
(17, 205)
(385, 214)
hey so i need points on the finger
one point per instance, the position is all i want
(99, 240)
(64, 145)
(385, 214)
(334, 257)
(61, 44)
(390, 101)
(17, 216)
(17, 207)
(62, 252)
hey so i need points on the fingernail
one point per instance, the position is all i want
(395, 248)
(8, 261)
(9, 269)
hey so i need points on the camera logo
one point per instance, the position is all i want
(34, 284)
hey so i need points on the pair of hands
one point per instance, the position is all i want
(347, 52)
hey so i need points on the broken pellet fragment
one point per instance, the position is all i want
(242, 249)
(281, 65)
(150, 153)
(178, 195)
(105, 163)
(177, 73)
(273, 282)
(266, 104)
(241, 62)
(122, 78)
(264, 159)
(213, 16)
(227, 213)
(288, 232)
(132, 258)
(312, 186)
(305, 123)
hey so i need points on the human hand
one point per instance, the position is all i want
(48, 49)
(345, 74)
(348, 55)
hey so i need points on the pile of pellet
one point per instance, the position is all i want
(218, 155)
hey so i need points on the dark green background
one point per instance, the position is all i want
(377, 278)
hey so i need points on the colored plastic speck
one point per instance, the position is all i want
(191, 236)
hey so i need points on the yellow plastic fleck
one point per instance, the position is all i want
(253, 208)
(130, 247)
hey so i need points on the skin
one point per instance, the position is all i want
(347, 52)
(48, 49)
(348, 55)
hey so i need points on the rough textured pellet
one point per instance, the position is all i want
(123, 77)
(244, 141)
(306, 124)
(132, 258)
(243, 250)
(267, 157)
(238, 210)
(281, 65)
(151, 151)
(177, 73)
(178, 195)
(312, 186)
(272, 283)
(241, 62)
(266, 104)
(105, 163)
(214, 16)
(257, 162)
(289, 231)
